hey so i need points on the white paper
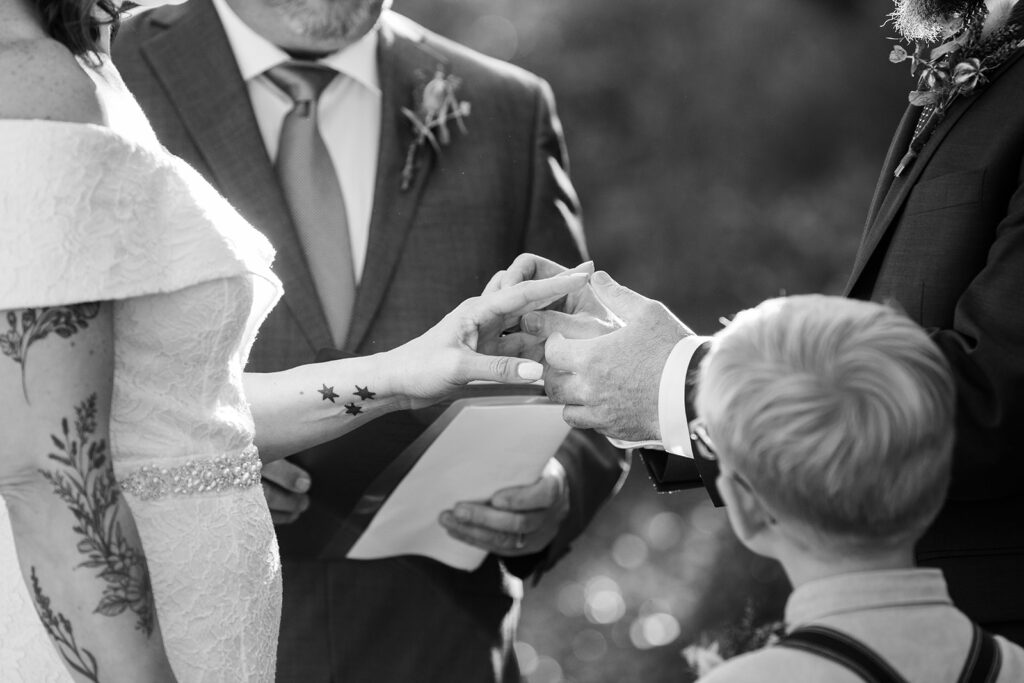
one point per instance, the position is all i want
(484, 449)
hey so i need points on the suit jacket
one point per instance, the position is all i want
(499, 190)
(945, 242)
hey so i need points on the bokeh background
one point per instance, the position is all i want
(724, 152)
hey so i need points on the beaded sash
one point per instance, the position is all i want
(205, 475)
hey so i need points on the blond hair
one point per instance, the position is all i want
(838, 413)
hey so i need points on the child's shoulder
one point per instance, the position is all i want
(1012, 664)
(778, 664)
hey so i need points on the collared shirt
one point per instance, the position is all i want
(905, 615)
(349, 114)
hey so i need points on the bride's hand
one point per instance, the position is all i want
(456, 350)
(580, 315)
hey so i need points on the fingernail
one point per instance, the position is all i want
(445, 518)
(302, 484)
(461, 513)
(530, 370)
(601, 278)
(305, 505)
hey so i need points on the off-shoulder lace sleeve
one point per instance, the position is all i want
(87, 215)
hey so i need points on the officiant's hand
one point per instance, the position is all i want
(609, 383)
(522, 520)
(284, 486)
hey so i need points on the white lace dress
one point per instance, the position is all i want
(90, 214)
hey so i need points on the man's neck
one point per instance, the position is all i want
(998, 13)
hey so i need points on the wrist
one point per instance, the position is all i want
(393, 375)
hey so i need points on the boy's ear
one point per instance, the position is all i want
(751, 522)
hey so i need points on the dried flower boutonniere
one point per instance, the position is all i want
(438, 107)
(959, 67)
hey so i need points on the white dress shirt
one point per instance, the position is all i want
(348, 113)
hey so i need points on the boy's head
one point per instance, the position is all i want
(831, 417)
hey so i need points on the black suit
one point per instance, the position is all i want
(497, 191)
(945, 241)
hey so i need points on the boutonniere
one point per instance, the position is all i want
(959, 67)
(438, 108)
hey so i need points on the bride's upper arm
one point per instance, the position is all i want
(56, 369)
(41, 79)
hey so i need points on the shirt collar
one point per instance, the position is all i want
(255, 54)
(860, 591)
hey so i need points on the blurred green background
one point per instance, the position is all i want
(724, 152)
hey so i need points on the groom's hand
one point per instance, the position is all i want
(610, 383)
(285, 485)
(522, 520)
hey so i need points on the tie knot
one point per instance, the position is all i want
(302, 81)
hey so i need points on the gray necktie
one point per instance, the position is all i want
(313, 192)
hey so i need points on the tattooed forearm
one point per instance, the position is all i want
(90, 491)
(328, 393)
(60, 630)
(29, 325)
(351, 408)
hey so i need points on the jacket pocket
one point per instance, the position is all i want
(945, 191)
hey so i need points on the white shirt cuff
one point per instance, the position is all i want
(672, 417)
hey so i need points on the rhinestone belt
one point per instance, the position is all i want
(206, 475)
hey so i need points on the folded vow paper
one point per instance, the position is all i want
(475, 448)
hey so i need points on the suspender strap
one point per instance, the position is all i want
(983, 659)
(843, 650)
(981, 665)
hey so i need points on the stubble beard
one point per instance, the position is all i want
(928, 20)
(329, 20)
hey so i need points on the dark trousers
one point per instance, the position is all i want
(395, 621)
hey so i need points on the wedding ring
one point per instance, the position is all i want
(520, 541)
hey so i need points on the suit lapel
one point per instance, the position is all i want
(216, 111)
(897, 148)
(402, 62)
(886, 209)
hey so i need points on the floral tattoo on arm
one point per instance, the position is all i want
(91, 493)
(59, 628)
(29, 325)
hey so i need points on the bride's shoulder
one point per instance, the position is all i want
(47, 83)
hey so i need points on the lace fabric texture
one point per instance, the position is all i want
(91, 213)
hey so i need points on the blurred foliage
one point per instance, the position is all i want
(724, 152)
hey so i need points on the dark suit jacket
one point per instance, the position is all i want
(945, 242)
(497, 191)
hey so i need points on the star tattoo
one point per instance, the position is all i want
(353, 409)
(364, 393)
(328, 393)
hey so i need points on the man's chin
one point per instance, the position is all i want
(339, 21)
(929, 20)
